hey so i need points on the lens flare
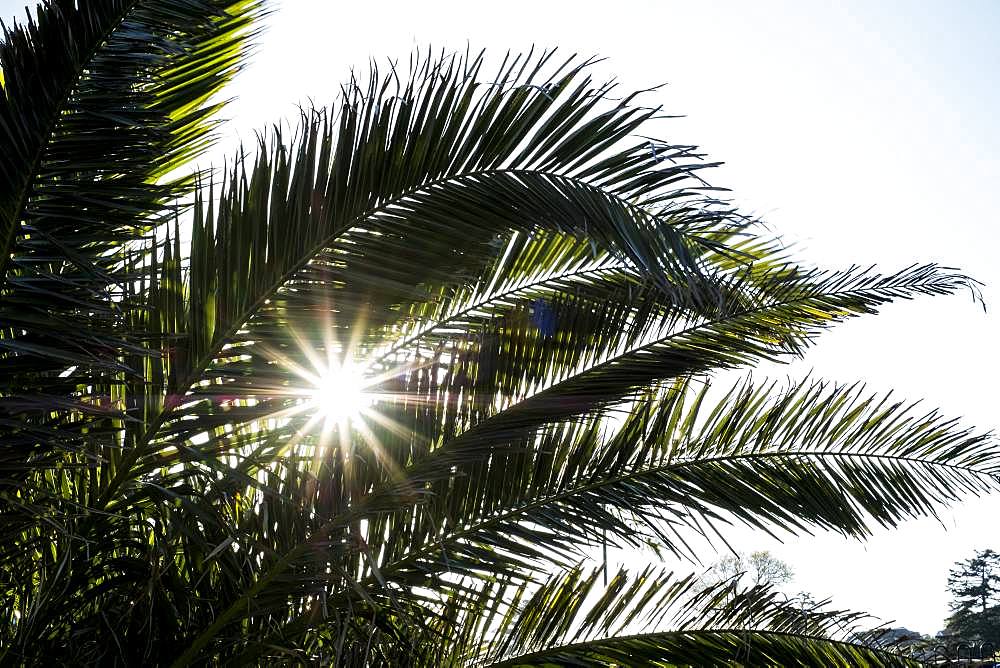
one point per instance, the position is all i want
(340, 395)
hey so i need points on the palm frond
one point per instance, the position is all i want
(782, 320)
(359, 219)
(813, 455)
(101, 101)
(654, 618)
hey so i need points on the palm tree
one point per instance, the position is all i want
(375, 394)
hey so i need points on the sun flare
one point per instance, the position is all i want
(339, 393)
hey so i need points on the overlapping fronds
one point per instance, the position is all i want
(400, 198)
(101, 101)
(810, 455)
(530, 301)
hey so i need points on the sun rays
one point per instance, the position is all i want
(340, 393)
(338, 401)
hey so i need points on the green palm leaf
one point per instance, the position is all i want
(653, 618)
(812, 455)
(100, 102)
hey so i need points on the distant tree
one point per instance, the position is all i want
(975, 583)
(760, 568)
(975, 587)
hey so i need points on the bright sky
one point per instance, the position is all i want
(864, 132)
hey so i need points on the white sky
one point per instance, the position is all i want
(864, 132)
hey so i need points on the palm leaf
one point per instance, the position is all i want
(101, 101)
(652, 618)
(812, 455)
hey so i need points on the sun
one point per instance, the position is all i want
(339, 393)
(339, 397)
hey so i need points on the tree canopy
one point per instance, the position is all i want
(759, 567)
(975, 588)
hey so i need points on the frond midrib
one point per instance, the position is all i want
(492, 297)
(597, 643)
(673, 466)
